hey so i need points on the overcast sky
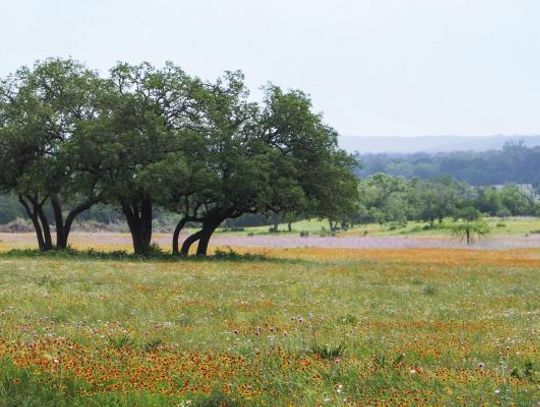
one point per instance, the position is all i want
(374, 67)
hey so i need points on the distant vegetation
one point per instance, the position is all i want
(384, 198)
(514, 163)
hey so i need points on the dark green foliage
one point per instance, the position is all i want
(146, 138)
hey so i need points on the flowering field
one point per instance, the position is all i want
(103, 241)
(303, 326)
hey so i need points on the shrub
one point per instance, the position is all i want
(470, 230)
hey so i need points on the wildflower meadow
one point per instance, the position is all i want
(271, 326)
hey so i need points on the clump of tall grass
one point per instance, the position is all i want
(329, 351)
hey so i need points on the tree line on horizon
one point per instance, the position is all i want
(514, 163)
(145, 138)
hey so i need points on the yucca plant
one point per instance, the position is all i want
(329, 351)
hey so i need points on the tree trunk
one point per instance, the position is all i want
(37, 228)
(139, 220)
(146, 221)
(209, 227)
(289, 226)
(333, 226)
(34, 210)
(39, 233)
(59, 222)
(63, 228)
(189, 242)
(46, 228)
(176, 235)
(69, 222)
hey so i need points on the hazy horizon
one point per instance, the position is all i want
(432, 144)
(375, 68)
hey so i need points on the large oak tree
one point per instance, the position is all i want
(41, 111)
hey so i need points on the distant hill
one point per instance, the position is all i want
(431, 144)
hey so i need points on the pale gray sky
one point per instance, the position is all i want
(375, 67)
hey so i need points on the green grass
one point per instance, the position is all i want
(315, 328)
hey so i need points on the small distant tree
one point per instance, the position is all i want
(470, 225)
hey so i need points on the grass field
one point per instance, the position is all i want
(290, 327)
(499, 226)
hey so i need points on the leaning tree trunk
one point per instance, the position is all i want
(139, 219)
(176, 235)
(209, 227)
(190, 240)
(69, 221)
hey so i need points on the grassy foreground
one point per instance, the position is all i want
(296, 327)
